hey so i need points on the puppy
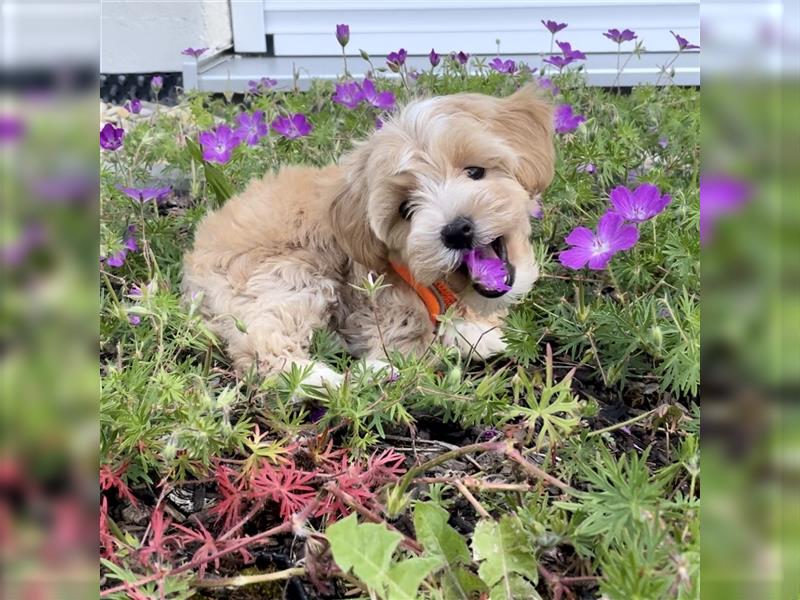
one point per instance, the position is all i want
(443, 176)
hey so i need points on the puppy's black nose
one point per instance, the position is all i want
(459, 234)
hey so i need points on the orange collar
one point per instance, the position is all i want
(437, 298)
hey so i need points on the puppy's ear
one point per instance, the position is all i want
(349, 216)
(525, 120)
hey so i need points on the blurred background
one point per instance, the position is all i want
(50, 55)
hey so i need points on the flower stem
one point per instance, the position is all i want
(621, 424)
(242, 580)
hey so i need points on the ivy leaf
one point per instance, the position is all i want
(367, 549)
(442, 541)
(504, 552)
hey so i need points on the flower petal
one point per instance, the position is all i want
(580, 236)
(622, 201)
(574, 258)
(626, 238)
(599, 262)
(608, 227)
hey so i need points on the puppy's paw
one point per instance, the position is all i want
(474, 338)
(321, 375)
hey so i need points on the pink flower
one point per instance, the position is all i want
(640, 205)
(382, 100)
(251, 127)
(348, 94)
(219, 144)
(488, 271)
(596, 249)
(565, 120)
(292, 127)
(503, 66)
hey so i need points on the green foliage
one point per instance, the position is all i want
(507, 562)
(367, 550)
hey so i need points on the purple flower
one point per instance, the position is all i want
(343, 34)
(596, 249)
(378, 123)
(135, 291)
(488, 271)
(503, 66)
(559, 61)
(554, 27)
(134, 106)
(536, 211)
(615, 35)
(348, 94)
(683, 43)
(260, 86)
(196, 52)
(565, 120)
(142, 195)
(292, 127)
(11, 128)
(117, 259)
(462, 57)
(547, 84)
(317, 413)
(568, 52)
(587, 168)
(111, 137)
(134, 320)
(396, 59)
(720, 195)
(382, 100)
(434, 58)
(218, 144)
(252, 127)
(642, 204)
(488, 434)
(156, 83)
(663, 142)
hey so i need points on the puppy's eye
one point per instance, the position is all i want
(475, 172)
(405, 210)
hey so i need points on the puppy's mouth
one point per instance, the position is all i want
(488, 269)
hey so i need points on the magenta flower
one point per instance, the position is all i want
(568, 52)
(644, 203)
(348, 94)
(503, 66)
(617, 36)
(134, 106)
(488, 271)
(111, 137)
(559, 61)
(117, 259)
(134, 320)
(547, 84)
(596, 249)
(720, 195)
(554, 27)
(157, 83)
(343, 34)
(260, 86)
(292, 127)
(219, 144)
(195, 52)
(382, 100)
(142, 195)
(565, 120)
(589, 168)
(434, 58)
(462, 57)
(683, 43)
(11, 129)
(252, 127)
(396, 59)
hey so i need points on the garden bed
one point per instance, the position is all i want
(566, 468)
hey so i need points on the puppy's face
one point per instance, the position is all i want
(448, 175)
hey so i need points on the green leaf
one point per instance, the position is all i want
(215, 178)
(518, 589)
(503, 549)
(442, 541)
(405, 577)
(367, 549)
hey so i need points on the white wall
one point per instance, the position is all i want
(142, 36)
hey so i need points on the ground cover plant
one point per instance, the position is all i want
(566, 468)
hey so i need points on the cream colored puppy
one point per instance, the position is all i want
(445, 175)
